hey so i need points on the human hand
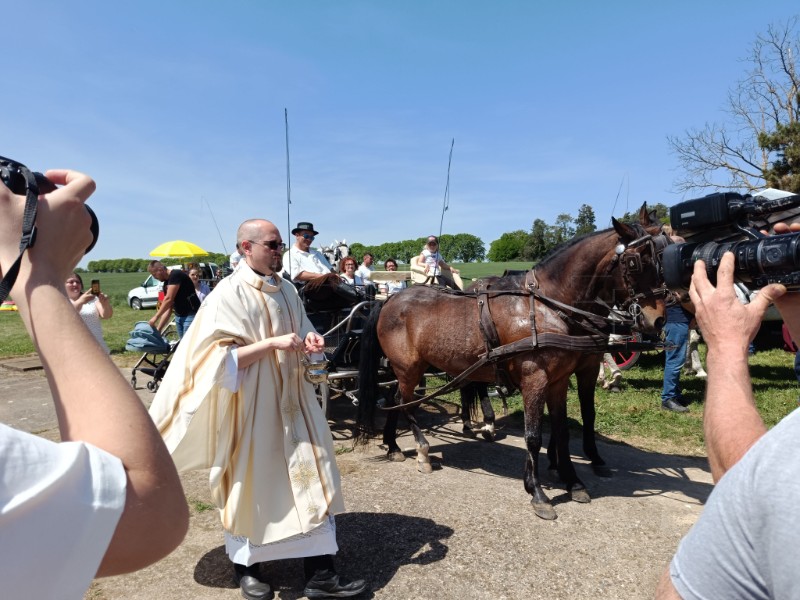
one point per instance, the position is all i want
(54, 255)
(314, 342)
(727, 323)
(288, 341)
(84, 298)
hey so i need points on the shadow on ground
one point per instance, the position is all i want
(398, 539)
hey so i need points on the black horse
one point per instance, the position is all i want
(536, 316)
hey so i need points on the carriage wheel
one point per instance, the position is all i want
(625, 360)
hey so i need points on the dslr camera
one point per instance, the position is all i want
(15, 176)
(725, 221)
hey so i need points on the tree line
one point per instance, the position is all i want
(139, 265)
(542, 239)
(459, 247)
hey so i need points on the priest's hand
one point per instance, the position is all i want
(314, 342)
(288, 341)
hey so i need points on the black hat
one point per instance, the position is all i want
(304, 226)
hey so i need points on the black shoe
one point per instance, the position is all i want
(674, 406)
(327, 584)
(247, 578)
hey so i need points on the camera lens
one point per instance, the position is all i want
(774, 259)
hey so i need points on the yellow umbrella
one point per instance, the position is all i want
(177, 249)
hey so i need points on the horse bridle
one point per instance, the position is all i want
(629, 258)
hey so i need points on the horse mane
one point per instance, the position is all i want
(557, 254)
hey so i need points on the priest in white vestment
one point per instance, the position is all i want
(234, 399)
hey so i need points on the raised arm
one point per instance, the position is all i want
(731, 422)
(93, 403)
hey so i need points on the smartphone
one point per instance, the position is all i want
(96, 287)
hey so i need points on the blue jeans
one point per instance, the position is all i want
(182, 324)
(677, 334)
(797, 365)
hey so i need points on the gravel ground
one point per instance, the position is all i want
(465, 531)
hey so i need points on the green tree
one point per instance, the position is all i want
(784, 171)
(584, 222)
(468, 248)
(564, 229)
(537, 245)
(508, 247)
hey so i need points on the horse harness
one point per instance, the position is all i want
(599, 328)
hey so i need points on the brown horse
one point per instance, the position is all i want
(537, 313)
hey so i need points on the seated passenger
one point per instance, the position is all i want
(393, 286)
(321, 287)
(303, 262)
(347, 272)
(366, 268)
(432, 263)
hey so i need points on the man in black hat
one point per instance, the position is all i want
(303, 263)
(322, 289)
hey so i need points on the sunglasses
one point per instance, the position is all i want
(309, 237)
(272, 244)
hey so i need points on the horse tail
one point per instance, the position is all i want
(368, 390)
(469, 400)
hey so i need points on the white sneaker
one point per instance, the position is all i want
(701, 374)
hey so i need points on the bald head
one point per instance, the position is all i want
(252, 229)
(260, 243)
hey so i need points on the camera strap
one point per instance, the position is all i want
(28, 229)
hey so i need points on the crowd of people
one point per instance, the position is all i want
(235, 401)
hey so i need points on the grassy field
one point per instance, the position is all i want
(632, 415)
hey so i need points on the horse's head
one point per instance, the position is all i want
(341, 249)
(637, 279)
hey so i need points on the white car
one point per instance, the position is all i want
(146, 295)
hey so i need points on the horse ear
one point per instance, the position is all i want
(644, 215)
(626, 232)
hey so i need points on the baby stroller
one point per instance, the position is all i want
(157, 350)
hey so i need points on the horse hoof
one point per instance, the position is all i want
(544, 510)
(581, 496)
(468, 431)
(488, 434)
(424, 468)
(396, 456)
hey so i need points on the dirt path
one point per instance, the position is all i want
(465, 531)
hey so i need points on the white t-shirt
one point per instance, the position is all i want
(59, 508)
(312, 262)
(364, 271)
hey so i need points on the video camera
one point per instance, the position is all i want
(723, 222)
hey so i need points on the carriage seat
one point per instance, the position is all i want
(378, 277)
(419, 276)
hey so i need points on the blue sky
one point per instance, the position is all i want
(176, 106)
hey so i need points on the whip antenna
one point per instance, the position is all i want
(215, 224)
(288, 190)
(446, 202)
